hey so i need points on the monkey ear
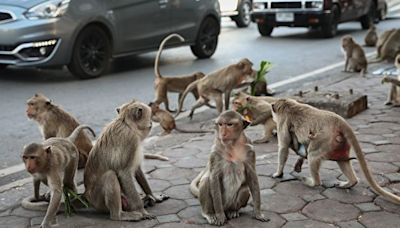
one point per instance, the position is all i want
(138, 113)
(245, 123)
(241, 65)
(48, 150)
(118, 110)
(273, 107)
(48, 102)
(36, 95)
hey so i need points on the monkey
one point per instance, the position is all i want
(219, 82)
(388, 46)
(115, 160)
(167, 121)
(229, 178)
(259, 111)
(331, 139)
(354, 56)
(53, 121)
(177, 84)
(371, 38)
(394, 92)
(53, 163)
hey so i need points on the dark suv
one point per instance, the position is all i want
(323, 14)
(85, 34)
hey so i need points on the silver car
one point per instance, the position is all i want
(85, 34)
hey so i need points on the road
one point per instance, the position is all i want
(292, 51)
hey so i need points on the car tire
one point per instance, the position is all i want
(264, 30)
(368, 19)
(382, 13)
(329, 28)
(91, 53)
(207, 39)
(243, 19)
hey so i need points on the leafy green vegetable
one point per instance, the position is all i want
(69, 197)
(265, 67)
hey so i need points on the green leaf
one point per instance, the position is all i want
(265, 67)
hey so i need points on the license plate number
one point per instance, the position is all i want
(284, 17)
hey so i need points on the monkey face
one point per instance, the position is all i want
(37, 105)
(229, 126)
(35, 157)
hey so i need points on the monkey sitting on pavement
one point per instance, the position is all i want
(218, 83)
(54, 163)
(259, 110)
(176, 84)
(326, 136)
(55, 122)
(114, 160)
(167, 121)
(230, 177)
(371, 38)
(394, 92)
(354, 56)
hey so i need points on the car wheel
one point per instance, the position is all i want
(243, 19)
(264, 29)
(207, 39)
(383, 13)
(368, 19)
(329, 28)
(91, 53)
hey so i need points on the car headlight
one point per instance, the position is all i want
(317, 4)
(259, 5)
(48, 9)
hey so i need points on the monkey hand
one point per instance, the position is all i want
(261, 217)
(151, 200)
(385, 79)
(219, 219)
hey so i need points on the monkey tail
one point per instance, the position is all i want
(28, 203)
(194, 185)
(348, 133)
(163, 42)
(77, 130)
(189, 88)
(156, 156)
(376, 60)
(192, 131)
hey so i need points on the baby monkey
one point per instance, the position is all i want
(167, 121)
(53, 163)
(394, 92)
(225, 185)
(354, 56)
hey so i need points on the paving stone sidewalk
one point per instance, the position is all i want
(287, 202)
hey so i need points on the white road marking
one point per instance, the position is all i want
(311, 74)
(15, 184)
(20, 167)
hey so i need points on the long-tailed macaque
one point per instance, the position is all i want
(115, 161)
(394, 92)
(258, 109)
(55, 122)
(325, 136)
(176, 84)
(229, 179)
(217, 83)
(354, 56)
(53, 163)
(371, 38)
(167, 121)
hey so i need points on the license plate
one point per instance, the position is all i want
(284, 17)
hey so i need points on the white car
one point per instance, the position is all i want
(238, 10)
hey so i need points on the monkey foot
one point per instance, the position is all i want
(309, 181)
(388, 103)
(259, 141)
(277, 175)
(345, 184)
(232, 214)
(261, 218)
(215, 219)
(151, 200)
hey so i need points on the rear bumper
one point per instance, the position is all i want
(301, 18)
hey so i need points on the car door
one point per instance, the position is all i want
(185, 17)
(140, 24)
(347, 10)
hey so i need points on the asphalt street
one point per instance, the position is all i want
(292, 51)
